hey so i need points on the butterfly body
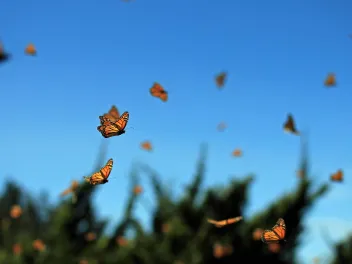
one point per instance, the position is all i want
(101, 177)
(112, 124)
(276, 235)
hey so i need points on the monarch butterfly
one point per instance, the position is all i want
(112, 124)
(221, 126)
(101, 177)
(276, 234)
(289, 125)
(337, 176)
(30, 50)
(330, 80)
(72, 188)
(237, 153)
(225, 222)
(3, 55)
(146, 145)
(220, 79)
(158, 91)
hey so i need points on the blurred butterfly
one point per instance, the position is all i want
(225, 222)
(3, 55)
(221, 126)
(101, 177)
(220, 79)
(30, 50)
(72, 189)
(330, 80)
(112, 124)
(337, 176)
(146, 145)
(276, 234)
(316, 260)
(237, 153)
(289, 125)
(158, 91)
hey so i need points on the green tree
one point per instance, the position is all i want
(179, 230)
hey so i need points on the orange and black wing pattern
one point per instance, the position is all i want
(276, 234)
(158, 91)
(30, 50)
(225, 222)
(3, 55)
(330, 80)
(101, 176)
(290, 126)
(337, 176)
(220, 79)
(113, 115)
(116, 128)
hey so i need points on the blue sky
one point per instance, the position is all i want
(94, 54)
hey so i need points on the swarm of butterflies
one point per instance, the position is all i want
(113, 124)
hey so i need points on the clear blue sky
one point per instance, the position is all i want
(94, 54)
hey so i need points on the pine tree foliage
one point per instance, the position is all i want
(180, 233)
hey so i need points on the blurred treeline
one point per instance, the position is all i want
(36, 232)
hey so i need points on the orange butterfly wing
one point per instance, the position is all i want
(158, 91)
(338, 176)
(108, 129)
(330, 80)
(121, 123)
(220, 79)
(30, 49)
(112, 116)
(276, 234)
(106, 170)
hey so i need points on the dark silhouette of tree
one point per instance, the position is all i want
(180, 233)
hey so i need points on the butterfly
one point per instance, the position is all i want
(276, 234)
(237, 153)
(220, 79)
(146, 145)
(101, 177)
(337, 176)
(112, 124)
(72, 188)
(330, 80)
(289, 125)
(30, 50)
(3, 55)
(221, 126)
(158, 91)
(225, 222)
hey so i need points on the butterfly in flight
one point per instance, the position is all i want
(275, 235)
(158, 91)
(337, 176)
(237, 153)
(290, 126)
(221, 126)
(72, 189)
(4, 57)
(225, 222)
(112, 124)
(220, 79)
(30, 50)
(330, 80)
(146, 145)
(101, 177)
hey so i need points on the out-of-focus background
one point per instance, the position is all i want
(91, 55)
